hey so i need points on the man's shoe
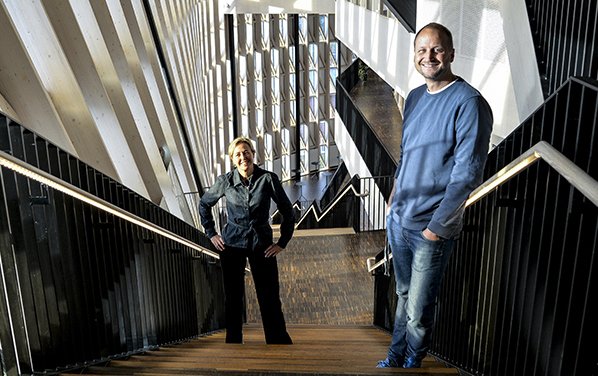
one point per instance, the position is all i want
(412, 362)
(388, 363)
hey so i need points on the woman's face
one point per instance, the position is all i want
(243, 159)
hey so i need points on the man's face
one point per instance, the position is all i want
(243, 158)
(433, 55)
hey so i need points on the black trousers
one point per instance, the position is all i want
(264, 271)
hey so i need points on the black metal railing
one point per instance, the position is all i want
(81, 284)
(340, 212)
(517, 294)
(565, 34)
(372, 208)
(360, 204)
(405, 11)
(340, 178)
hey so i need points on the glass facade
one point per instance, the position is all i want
(286, 70)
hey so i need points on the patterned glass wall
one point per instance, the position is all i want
(286, 66)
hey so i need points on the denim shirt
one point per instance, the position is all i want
(248, 209)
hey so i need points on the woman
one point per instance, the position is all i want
(248, 190)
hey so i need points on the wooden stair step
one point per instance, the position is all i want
(317, 350)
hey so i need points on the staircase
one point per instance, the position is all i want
(327, 300)
(317, 350)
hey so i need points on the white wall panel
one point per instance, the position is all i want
(482, 30)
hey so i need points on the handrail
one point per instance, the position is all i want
(43, 177)
(332, 205)
(578, 178)
(319, 218)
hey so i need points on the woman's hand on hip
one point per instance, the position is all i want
(218, 242)
(273, 250)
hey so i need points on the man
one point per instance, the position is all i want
(446, 132)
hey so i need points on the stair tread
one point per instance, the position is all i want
(317, 350)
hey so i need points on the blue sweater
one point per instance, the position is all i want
(445, 143)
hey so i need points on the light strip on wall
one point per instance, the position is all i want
(34, 173)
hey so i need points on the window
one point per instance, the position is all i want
(286, 167)
(304, 134)
(313, 108)
(257, 63)
(334, 53)
(286, 158)
(249, 31)
(323, 27)
(323, 132)
(243, 70)
(292, 58)
(333, 76)
(282, 29)
(244, 124)
(268, 152)
(258, 93)
(332, 105)
(303, 157)
(259, 121)
(313, 82)
(276, 116)
(313, 56)
(292, 84)
(303, 28)
(323, 159)
(274, 60)
(293, 111)
(285, 141)
(265, 30)
(275, 87)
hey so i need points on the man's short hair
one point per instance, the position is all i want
(441, 29)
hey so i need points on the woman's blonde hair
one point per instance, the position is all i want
(237, 141)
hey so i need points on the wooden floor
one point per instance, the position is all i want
(317, 350)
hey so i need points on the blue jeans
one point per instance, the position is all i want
(418, 266)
